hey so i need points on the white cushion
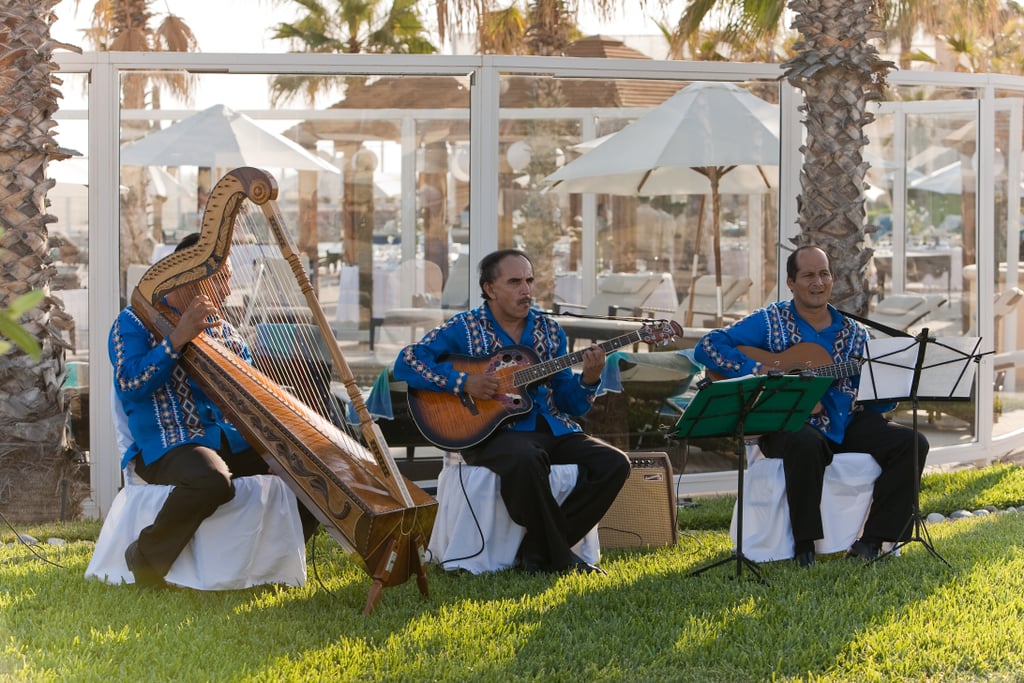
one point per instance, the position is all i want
(473, 531)
(845, 498)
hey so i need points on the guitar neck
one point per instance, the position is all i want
(547, 368)
(847, 368)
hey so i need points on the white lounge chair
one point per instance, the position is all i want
(705, 299)
(905, 311)
(617, 293)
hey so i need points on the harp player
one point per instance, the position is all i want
(180, 437)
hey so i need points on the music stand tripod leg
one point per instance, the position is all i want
(760, 404)
(919, 532)
(737, 555)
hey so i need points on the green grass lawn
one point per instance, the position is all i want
(905, 618)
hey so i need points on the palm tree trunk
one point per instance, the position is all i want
(840, 74)
(39, 470)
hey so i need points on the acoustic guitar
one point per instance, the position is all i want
(802, 357)
(455, 422)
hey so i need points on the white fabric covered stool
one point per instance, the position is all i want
(472, 530)
(845, 498)
(254, 539)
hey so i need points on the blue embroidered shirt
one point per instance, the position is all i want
(476, 333)
(777, 327)
(165, 408)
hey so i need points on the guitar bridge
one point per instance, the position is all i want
(470, 404)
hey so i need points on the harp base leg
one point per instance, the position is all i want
(380, 576)
(419, 557)
(387, 564)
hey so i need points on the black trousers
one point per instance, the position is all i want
(805, 455)
(523, 460)
(202, 481)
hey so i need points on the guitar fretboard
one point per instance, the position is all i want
(847, 368)
(521, 378)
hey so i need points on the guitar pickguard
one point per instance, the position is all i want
(507, 360)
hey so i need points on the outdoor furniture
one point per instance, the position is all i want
(275, 295)
(616, 293)
(641, 397)
(447, 301)
(845, 498)
(254, 539)
(705, 303)
(472, 530)
(903, 311)
(422, 309)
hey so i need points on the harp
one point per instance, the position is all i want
(344, 474)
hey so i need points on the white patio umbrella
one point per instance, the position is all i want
(945, 180)
(692, 143)
(219, 137)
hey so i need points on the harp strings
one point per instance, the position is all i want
(269, 310)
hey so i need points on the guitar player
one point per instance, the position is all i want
(771, 336)
(522, 448)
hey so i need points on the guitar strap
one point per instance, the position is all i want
(881, 327)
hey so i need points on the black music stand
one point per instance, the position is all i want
(755, 405)
(915, 368)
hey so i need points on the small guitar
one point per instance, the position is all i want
(802, 357)
(452, 422)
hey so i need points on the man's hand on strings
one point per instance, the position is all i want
(593, 364)
(199, 315)
(481, 386)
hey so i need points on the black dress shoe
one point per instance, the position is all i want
(145, 575)
(580, 566)
(864, 551)
(530, 565)
(805, 559)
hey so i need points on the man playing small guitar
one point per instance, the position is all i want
(524, 447)
(775, 338)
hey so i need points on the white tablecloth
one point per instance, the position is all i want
(387, 291)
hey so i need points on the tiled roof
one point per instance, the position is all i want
(594, 92)
(450, 92)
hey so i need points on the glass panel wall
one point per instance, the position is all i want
(634, 206)
(557, 202)
(922, 229)
(1008, 249)
(373, 189)
(381, 215)
(69, 249)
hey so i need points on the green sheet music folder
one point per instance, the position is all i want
(752, 405)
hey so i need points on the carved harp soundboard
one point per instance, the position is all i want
(350, 484)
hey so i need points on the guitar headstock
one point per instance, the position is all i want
(660, 332)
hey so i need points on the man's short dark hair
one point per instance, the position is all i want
(187, 241)
(489, 266)
(791, 265)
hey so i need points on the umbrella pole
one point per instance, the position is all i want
(716, 210)
(696, 260)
